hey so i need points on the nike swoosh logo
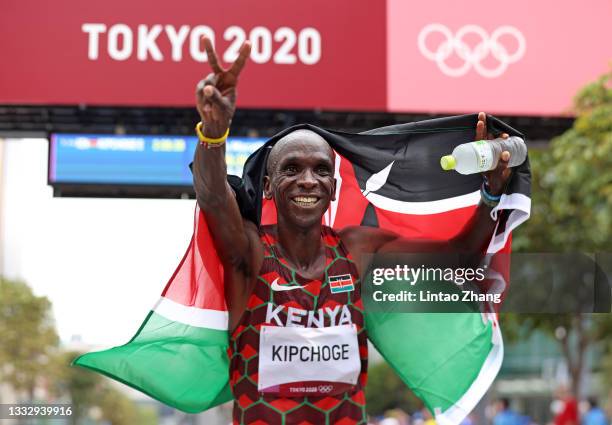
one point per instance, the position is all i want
(276, 287)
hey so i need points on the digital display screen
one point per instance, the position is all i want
(134, 160)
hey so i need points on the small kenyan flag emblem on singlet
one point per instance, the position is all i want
(341, 283)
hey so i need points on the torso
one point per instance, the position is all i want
(277, 373)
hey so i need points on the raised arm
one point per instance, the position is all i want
(216, 103)
(472, 239)
(476, 234)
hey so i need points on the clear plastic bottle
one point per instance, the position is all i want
(483, 155)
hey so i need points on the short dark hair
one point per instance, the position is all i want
(505, 402)
(300, 134)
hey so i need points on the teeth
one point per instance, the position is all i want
(305, 199)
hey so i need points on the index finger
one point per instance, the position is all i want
(481, 129)
(243, 55)
(212, 55)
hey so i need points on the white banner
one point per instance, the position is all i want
(293, 355)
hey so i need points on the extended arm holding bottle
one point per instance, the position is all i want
(475, 236)
(472, 239)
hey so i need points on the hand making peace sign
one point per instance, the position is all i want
(216, 94)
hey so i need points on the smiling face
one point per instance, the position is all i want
(301, 178)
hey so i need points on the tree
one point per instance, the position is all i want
(82, 387)
(572, 181)
(117, 408)
(386, 391)
(572, 212)
(28, 336)
(89, 391)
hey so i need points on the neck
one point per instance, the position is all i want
(301, 247)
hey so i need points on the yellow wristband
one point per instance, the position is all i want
(208, 140)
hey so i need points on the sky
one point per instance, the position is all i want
(101, 262)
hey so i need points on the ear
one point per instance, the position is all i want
(334, 189)
(267, 187)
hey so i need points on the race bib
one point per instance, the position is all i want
(296, 362)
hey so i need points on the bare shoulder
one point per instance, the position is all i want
(256, 248)
(250, 227)
(351, 236)
(364, 239)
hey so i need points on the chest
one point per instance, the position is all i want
(282, 297)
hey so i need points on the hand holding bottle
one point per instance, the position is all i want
(482, 155)
(494, 157)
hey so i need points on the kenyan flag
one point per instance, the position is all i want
(388, 178)
(179, 354)
(341, 283)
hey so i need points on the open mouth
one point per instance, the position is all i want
(305, 201)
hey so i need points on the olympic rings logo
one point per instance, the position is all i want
(325, 388)
(472, 57)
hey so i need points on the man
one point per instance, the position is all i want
(506, 416)
(567, 413)
(298, 339)
(594, 415)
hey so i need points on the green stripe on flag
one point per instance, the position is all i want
(180, 365)
(439, 377)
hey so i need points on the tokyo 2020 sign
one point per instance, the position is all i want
(438, 56)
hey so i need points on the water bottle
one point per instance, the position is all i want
(483, 155)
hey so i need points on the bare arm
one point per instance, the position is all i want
(236, 239)
(216, 103)
(471, 240)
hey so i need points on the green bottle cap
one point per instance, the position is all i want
(448, 162)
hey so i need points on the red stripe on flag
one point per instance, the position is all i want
(351, 203)
(268, 212)
(441, 226)
(198, 280)
(341, 283)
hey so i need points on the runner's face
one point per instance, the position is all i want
(302, 183)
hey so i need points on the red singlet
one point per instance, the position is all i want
(299, 353)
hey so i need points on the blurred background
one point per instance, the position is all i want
(96, 131)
